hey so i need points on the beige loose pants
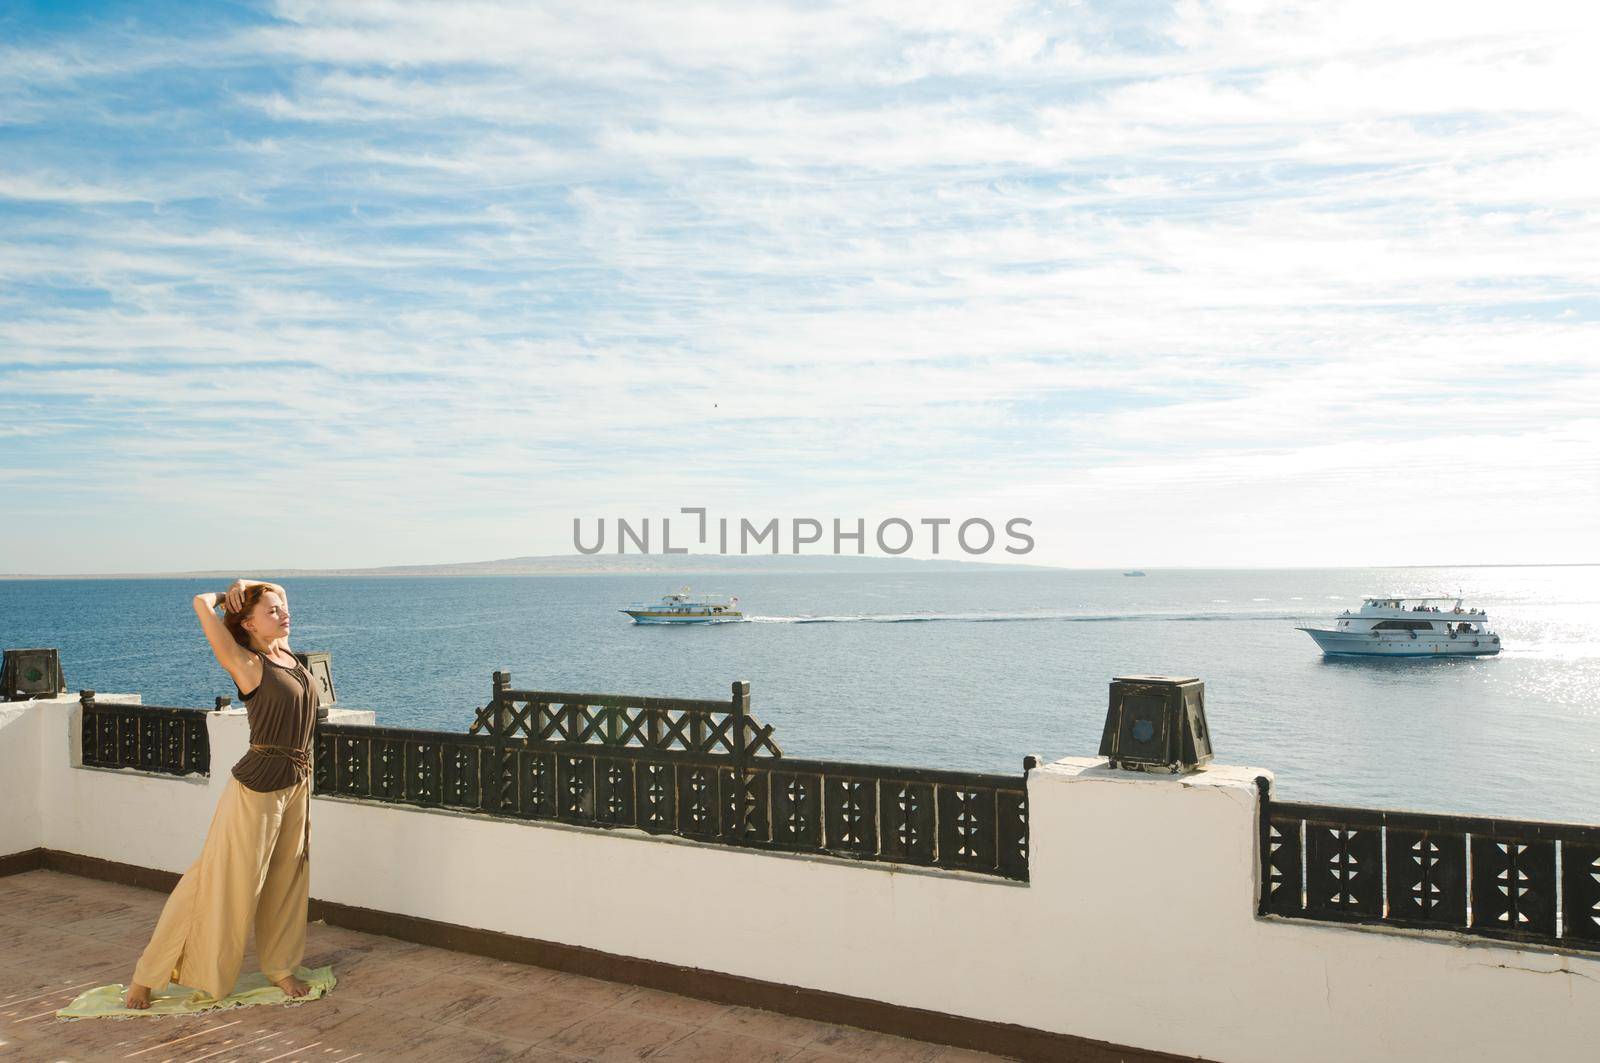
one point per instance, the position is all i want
(254, 867)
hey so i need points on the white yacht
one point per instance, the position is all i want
(684, 608)
(1408, 627)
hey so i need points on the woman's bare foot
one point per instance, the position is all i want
(292, 986)
(138, 996)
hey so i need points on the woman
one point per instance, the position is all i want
(255, 865)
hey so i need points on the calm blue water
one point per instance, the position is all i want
(959, 671)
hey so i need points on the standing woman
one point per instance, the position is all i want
(255, 865)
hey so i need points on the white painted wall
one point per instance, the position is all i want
(31, 743)
(20, 755)
(1138, 926)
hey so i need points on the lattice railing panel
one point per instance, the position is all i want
(907, 818)
(1523, 881)
(1343, 870)
(1580, 889)
(1427, 877)
(668, 726)
(153, 738)
(951, 820)
(1513, 886)
(710, 770)
(797, 810)
(1281, 874)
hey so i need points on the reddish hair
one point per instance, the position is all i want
(235, 621)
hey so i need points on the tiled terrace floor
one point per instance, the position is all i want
(60, 935)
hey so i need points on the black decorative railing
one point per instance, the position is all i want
(658, 726)
(1511, 879)
(147, 737)
(706, 770)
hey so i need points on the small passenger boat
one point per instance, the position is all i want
(1408, 627)
(684, 608)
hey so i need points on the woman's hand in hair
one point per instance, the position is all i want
(235, 597)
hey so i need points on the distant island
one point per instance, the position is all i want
(597, 565)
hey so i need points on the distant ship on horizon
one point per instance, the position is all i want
(1135, 572)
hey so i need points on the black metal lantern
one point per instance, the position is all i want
(31, 673)
(319, 664)
(1156, 723)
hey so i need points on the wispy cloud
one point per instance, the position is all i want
(370, 262)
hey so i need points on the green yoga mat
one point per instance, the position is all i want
(181, 1000)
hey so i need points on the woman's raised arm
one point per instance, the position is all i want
(235, 660)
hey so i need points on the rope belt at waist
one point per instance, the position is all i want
(301, 759)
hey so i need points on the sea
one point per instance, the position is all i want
(966, 670)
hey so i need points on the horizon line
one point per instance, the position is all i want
(387, 571)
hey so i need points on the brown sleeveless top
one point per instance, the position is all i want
(283, 713)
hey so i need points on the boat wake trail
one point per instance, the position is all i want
(1014, 618)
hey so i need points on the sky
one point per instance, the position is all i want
(349, 284)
